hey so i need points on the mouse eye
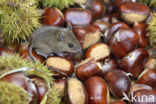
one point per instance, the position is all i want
(70, 45)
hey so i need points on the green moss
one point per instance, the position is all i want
(152, 30)
(11, 94)
(18, 19)
(10, 62)
(61, 4)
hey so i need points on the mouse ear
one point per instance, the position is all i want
(60, 36)
(69, 26)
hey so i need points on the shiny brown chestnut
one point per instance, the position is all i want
(97, 90)
(123, 41)
(75, 92)
(96, 7)
(24, 52)
(87, 68)
(134, 62)
(118, 3)
(78, 16)
(20, 80)
(87, 35)
(144, 96)
(40, 85)
(53, 17)
(4, 51)
(109, 8)
(119, 102)
(132, 12)
(150, 64)
(115, 18)
(141, 28)
(118, 82)
(136, 87)
(59, 85)
(106, 18)
(148, 77)
(37, 57)
(31, 88)
(61, 66)
(17, 78)
(108, 65)
(113, 28)
(98, 51)
(102, 25)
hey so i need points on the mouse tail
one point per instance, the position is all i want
(30, 53)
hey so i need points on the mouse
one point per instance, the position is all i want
(48, 40)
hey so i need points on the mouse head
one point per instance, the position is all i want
(68, 41)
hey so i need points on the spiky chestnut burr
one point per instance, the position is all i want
(152, 31)
(12, 94)
(61, 4)
(18, 19)
(151, 3)
(11, 62)
(1, 39)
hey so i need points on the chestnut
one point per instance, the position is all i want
(136, 87)
(53, 17)
(96, 7)
(109, 8)
(118, 82)
(106, 19)
(87, 35)
(4, 51)
(59, 85)
(115, 18)
(144, 96)
(113, 28)
(141, 28)
(148, 77)
(98, 51)
(134, 62)
(88, 68)
(118, 3)
(123, 41)
(62, 67)
(102, 25)
(132, 12)
(41, 86)
(97, 90)
(150, 64)
(20, 80)
(24, 52)
(24, 46)
(16, 78)
(78, 16)
(119, 102)
(31, 88)
(108, 65)
(75, 92)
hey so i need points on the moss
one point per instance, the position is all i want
(61, 4)
(152, 30)
(11, 94)
(11, 62)
(18, 19)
